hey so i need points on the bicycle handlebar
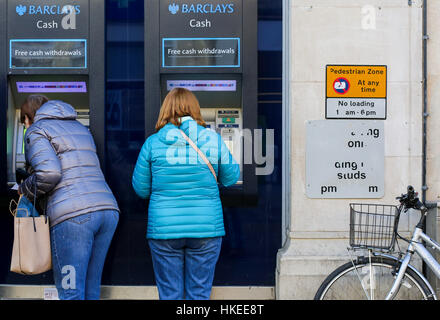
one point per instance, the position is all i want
(410, 200)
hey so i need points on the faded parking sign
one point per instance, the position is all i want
(345, 159)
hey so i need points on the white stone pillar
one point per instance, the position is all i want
(433, 61)
(433, 128)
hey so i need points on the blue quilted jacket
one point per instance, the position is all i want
(184, 196)
(64, 165)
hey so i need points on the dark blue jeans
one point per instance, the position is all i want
(79, 247)
(184, 268)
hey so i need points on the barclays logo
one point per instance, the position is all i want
(173, 8)
(21, 10)
(206, 8)
(47, 10)
(68, 21)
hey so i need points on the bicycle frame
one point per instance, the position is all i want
(416, 246)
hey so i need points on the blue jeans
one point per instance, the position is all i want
(184, 268)
(79, 247)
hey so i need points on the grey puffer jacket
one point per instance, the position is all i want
(64, 165)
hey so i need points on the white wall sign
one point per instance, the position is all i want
(345, 159)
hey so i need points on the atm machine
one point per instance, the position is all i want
(65, 62)
(210, 49)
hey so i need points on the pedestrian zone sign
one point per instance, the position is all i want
(356, 92)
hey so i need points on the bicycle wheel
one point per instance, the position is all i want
(365, 281)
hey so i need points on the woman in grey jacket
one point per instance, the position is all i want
(83, 213)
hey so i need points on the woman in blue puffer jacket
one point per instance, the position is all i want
(185, 217)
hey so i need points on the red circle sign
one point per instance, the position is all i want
(341, 85)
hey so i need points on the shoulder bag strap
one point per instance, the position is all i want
(201, 154)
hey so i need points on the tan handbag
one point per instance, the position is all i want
(201, 154)
(31, 252)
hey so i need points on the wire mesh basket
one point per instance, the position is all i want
(372, 226)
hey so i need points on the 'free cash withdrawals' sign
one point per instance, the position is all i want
(356, 92)
(201, 52)
(48, 54)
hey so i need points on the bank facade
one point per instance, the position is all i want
(288, 228)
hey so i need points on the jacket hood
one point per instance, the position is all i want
(171, 135)
(55, 109)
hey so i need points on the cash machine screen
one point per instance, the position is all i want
(51, 87)
(203, 85)
(212, 90)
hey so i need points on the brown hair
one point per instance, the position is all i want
(31, 105)
(178, 103)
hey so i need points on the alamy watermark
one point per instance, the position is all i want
(246, 146)
(368, 21)
(69, 278)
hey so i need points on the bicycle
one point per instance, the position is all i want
(381, 275)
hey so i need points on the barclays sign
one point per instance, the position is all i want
(206, 8)
(54, 19)
(49, 16)
(200, 18)
(21, 10)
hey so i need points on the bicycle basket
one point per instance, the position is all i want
(372, 226)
